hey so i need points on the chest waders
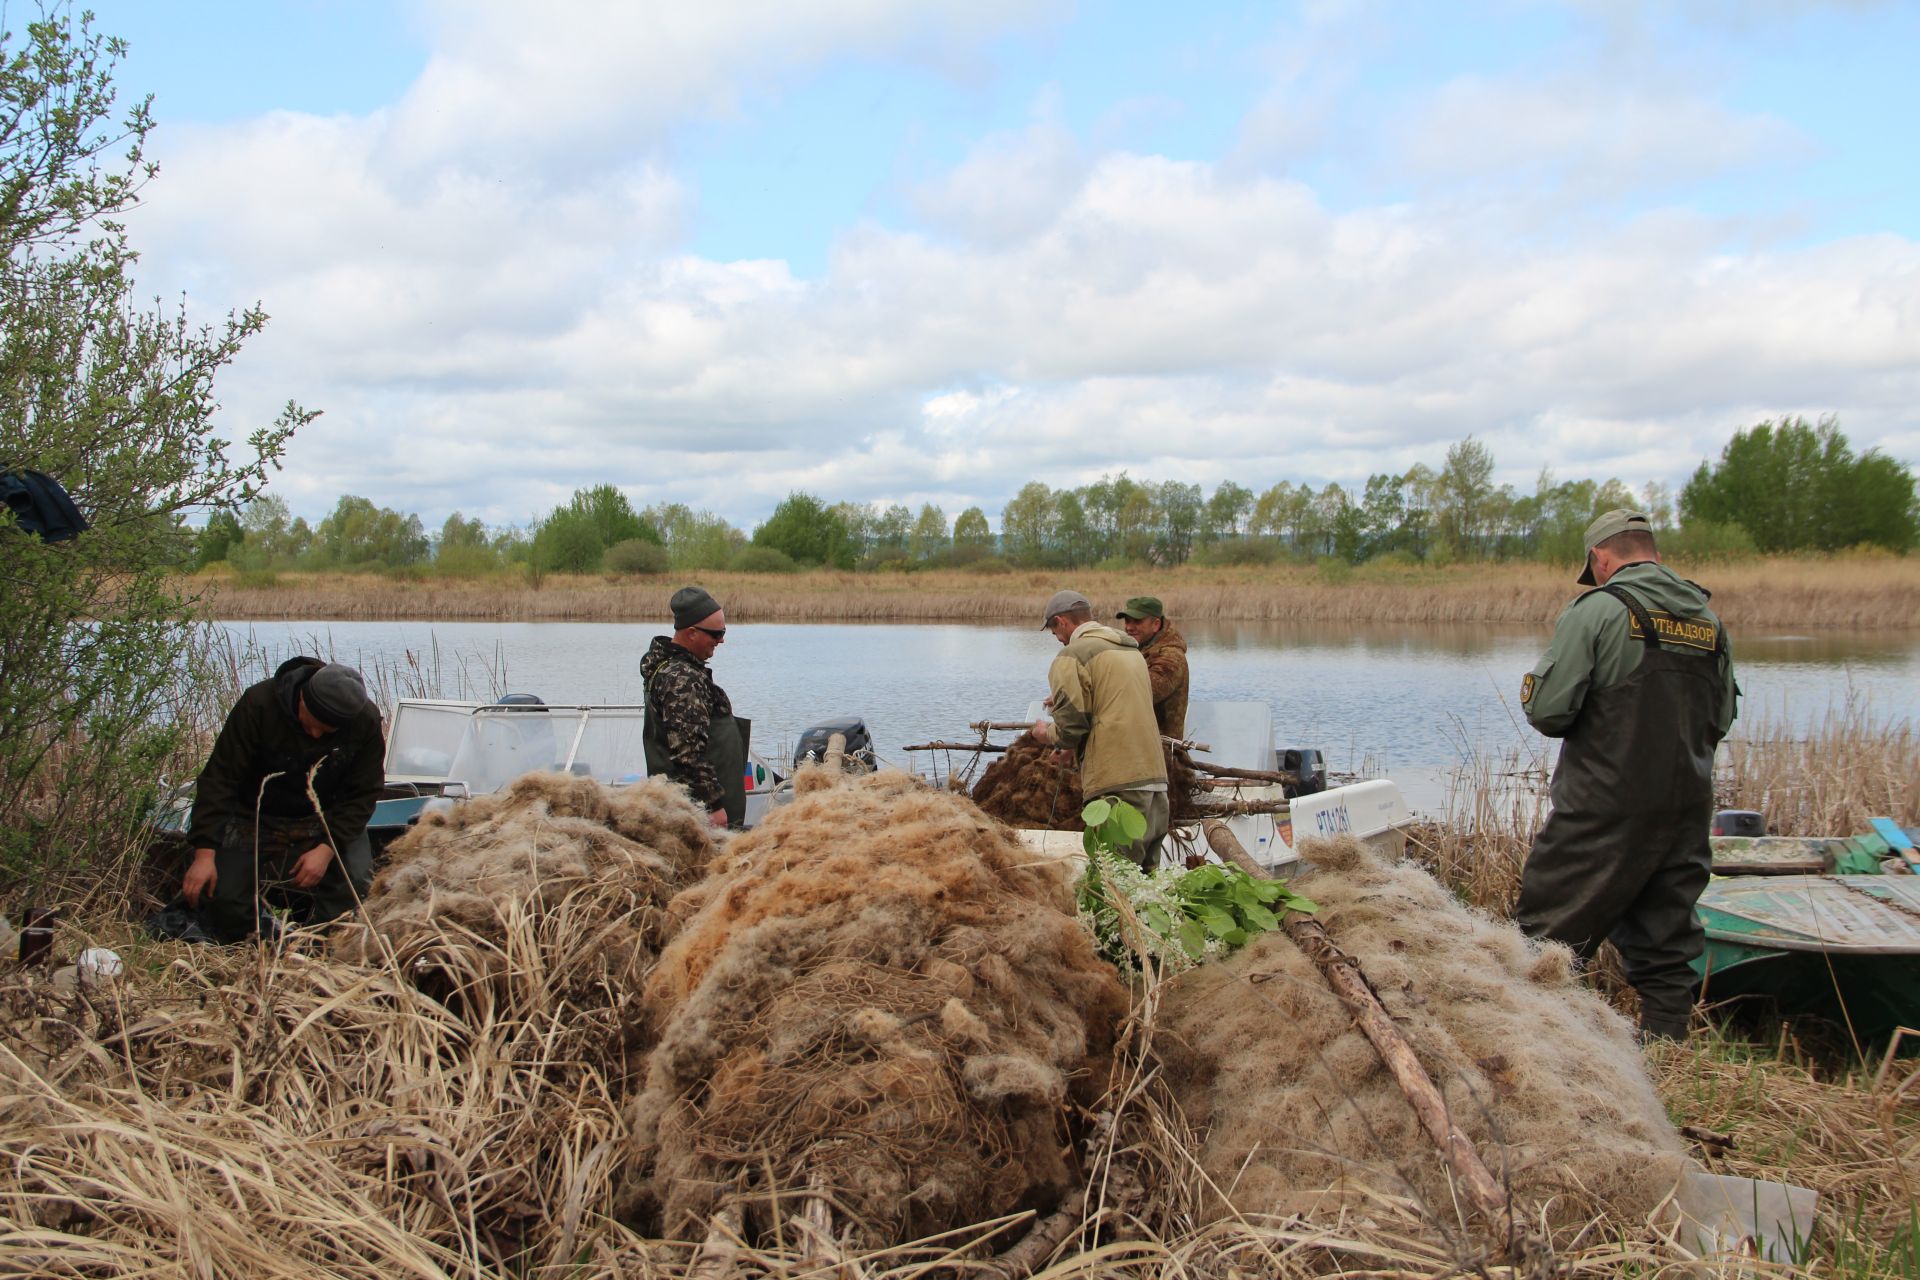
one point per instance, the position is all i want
(1624, 854)
(728, 737)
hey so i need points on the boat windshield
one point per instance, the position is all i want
(486, 747)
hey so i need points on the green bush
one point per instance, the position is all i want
(105, 666)
(1334, 571)
(1705, 541)
(637, 556)
(465, 561)
(1237, 553)
(758, 559)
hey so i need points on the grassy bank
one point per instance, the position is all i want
(226, 1111)
(1849, 592)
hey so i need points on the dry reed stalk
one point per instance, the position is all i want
(1850, 592)
(1827, 781)
(1477, 848)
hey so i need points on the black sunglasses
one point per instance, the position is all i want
(718, 633)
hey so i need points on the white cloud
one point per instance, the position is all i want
(1587, 137)
(486, 288)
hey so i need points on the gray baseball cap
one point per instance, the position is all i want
(1061, 602)
(1619, 520)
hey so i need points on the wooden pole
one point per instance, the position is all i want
(836, 758)
(1249, 775)
(1009, 726)
(1233, 808)
(1343, 974)
(984, 748)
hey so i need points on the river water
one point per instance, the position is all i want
(1411, 702)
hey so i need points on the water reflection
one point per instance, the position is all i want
(1403, 699)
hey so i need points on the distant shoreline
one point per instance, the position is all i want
(1847, 592)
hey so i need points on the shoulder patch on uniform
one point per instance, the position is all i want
(1527, 684)
(1691, 633)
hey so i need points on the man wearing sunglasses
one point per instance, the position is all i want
(691, 734)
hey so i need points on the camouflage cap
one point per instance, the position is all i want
(1617, 521)
(1142, 607)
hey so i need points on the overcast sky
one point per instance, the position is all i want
(882, 252)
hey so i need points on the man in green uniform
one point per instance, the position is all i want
(1165, 649)
(280, 809)
(1102, 704)
(1638, 683)
(691, 734)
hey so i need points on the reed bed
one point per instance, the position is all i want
(1826, 781)
(1853, 592)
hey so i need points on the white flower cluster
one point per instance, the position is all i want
(1152, 900)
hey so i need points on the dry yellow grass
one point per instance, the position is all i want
(1848, 591)
(1825, 781)
(273, 1113)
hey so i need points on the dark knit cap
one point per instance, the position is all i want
(335, 694)
(691, 605)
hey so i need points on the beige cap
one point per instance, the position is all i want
(1619, 520)
(1061, 602)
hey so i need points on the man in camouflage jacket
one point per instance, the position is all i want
(1165, 649)
(691, 734)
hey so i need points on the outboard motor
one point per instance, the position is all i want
(1738, 822)
(1306, 770)
(520, 700)
(813, 743)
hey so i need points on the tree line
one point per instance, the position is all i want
(1785, 486)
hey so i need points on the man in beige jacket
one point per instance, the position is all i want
(1102, 702)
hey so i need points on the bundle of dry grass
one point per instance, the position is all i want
(1543, 1077)
(1026, 788)
(442, 1094)
(239, 1120)
(876, 1001)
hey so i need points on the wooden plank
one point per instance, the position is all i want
(1772, 855)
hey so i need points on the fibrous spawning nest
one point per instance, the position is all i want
(578, 872)
(1026, 788)
(1542, 1076)
(879, 998)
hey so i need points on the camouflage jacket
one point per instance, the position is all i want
(1166, 656)
(682, 701)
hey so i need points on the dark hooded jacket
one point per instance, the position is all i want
(262, 737)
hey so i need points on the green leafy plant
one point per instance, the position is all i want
(1171, 918)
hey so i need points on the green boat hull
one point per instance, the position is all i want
(1845, 948)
